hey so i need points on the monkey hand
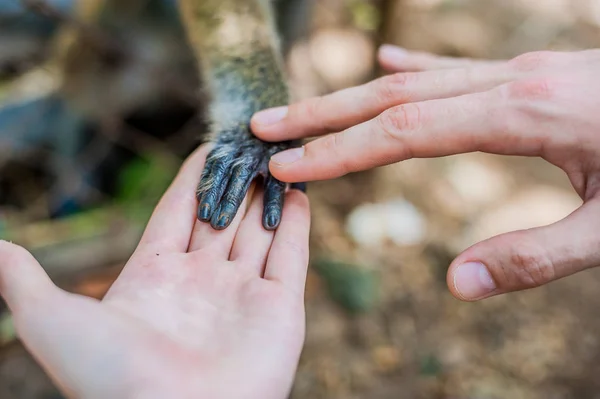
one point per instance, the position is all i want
(234, 162)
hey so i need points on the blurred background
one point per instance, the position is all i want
(77, 190)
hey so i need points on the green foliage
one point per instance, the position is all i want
(430, 366)
(353, 287)
(3, 90)
(7, 329)
(365, 15)
(142, 183)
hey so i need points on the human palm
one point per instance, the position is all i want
(195, 313)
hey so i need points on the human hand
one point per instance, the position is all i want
(196, 313)
(539, 104)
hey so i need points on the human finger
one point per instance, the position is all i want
(489, 121)
(527, 258)
(253, 241)
(219, 242)
(171, 223)
(397, 59)
(288, 259)
(343, 109)
(23, 282)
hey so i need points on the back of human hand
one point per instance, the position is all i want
(541, 104)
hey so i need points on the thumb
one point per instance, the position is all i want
(22, 279)
(528, 258)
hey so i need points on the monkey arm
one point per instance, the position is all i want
(237, 47)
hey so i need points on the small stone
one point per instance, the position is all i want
(398, 221)
(343, 57)
(387, 358)
(405, 225)
(365, 225)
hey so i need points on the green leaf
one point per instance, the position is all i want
(353, 287)
(365, 15)
(430, 366)
(142, 183)
(7, 329)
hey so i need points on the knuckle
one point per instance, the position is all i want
(401, 118)
(334, 145)
(313, 112)
(309, 109)
(472, 76)
(395, 123)
(504, 117)
(532, 61)
(333, 142)
(393, 88)
(532, 89)
(532, 266)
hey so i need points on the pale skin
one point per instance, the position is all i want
(542, 104)
(196, 313)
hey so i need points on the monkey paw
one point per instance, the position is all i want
(230, 169)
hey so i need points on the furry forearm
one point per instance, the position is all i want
(236, 44)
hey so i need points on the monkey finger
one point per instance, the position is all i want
(273, 203)
(219, 242)
(528, 258)
(213, 183)
(241, 178)
(397, 59)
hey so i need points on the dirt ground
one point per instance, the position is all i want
(417, 341)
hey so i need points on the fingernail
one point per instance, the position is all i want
(473, 280)
(272, 221)
(270, 116)
(392, 53)
(223, 222)
(289, 156)
(204, 214)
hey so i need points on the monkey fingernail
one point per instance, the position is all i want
(289, 156)
(204, 212)
(270, 116)
(222, 222)
(271, 221)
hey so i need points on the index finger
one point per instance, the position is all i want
(340, 110)
(469, 123)
(171, 224)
